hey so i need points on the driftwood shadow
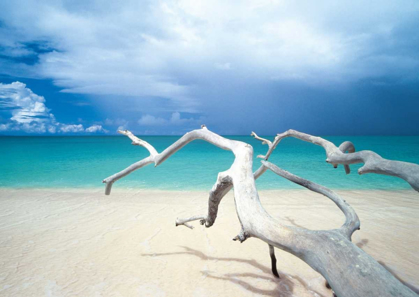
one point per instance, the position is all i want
(283, 286)
(362, 243)
(410, 286)
(414, 288)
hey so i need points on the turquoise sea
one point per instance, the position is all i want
(81, 162)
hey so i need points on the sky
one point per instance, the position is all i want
(166, 67)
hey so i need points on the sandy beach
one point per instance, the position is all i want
(59, 242)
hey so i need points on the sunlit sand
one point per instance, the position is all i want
(58, 242)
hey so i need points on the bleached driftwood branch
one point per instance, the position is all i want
(348, 269)
(137, 141)
(373, 163)
(217, 193)
(352, 222)
(264, 141)
(219, 190)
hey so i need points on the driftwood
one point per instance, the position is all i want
(373, 163)
(348, 269)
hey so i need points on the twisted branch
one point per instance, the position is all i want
(264, 141)
(349, 270)
(137, 141)
(352, 222)
(219, 190)
(373, 163)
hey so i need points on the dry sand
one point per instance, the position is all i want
(83, 243)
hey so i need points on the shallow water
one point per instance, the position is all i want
(68, 162)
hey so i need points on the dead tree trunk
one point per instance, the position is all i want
(347, 268)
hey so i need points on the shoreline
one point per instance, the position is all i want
(130, 189)
(81, 242)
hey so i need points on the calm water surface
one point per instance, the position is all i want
(69, 162)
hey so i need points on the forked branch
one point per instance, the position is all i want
(352, 222)
(137, 141)
(373, 163)
(348, 269)
(264, 141)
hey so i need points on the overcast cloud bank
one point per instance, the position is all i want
(145, 61)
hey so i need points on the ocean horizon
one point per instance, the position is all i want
(84, 161)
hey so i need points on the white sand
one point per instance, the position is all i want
(83, 243)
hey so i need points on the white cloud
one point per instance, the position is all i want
(149, 120)
(26, 107)
(175, 119)
(72, 128)
(208, 57)
(28, 112)
(95, 128)
(169, 48)
(4, 127)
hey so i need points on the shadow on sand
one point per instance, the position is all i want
(283, 286)
(415, 289)
(411, 287)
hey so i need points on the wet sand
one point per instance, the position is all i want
(58, 242)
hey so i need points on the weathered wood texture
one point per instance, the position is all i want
(373, 163)
(348, 269)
